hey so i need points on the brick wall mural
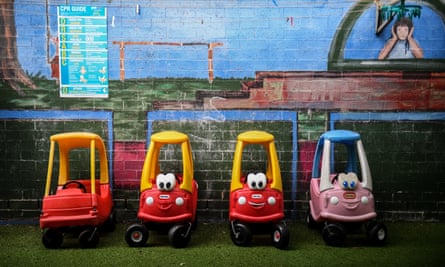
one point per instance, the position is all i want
(213, 69)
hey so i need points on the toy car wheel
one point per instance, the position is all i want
(311, 223)
(179, 235)
(89, 238)
(52, 238)
(377, 233)
(110, 224)
(240, 234)
(195, 223)
(333, 234)
(280, 236)
(136, 235)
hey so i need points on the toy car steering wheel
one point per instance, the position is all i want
(79, 185)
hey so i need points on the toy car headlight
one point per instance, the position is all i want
(179, 201)
(365, 200)
(333, 200)
(242, 200)
(149, 201)
(271, 200)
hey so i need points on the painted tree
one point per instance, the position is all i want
(11, 71)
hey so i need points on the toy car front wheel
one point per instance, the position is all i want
(333, 234)
(377, 233)
(52, 238)
(179, 235)
(136, 235)
(240, 234)
(89, 238)
(280, 236)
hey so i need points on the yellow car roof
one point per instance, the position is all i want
(169, 137)
(76, 139)
(255, 137)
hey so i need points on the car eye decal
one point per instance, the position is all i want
(348, 181)
(352, 185)
(262, 180)
(166, 182)
(256, 181)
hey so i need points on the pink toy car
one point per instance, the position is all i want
(340, 199)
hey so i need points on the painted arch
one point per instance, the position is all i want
(338, 62)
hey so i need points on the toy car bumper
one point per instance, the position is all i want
(256, 219)
(185, 217)
(327, 216)
(50, 221)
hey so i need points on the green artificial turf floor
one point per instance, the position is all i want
(409, 244)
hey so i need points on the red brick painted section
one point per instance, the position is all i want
(306, 152)
(128, 162)
(382, 91)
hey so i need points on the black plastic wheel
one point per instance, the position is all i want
(195, 223)
(52, 238)
(179, 235)
(280, 236)
(333, 234)
(376, 233)
(136, 235)
(89, 238)
(110, 224)
(311, 223)
(240, 234)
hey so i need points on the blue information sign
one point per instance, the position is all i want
(83, 47)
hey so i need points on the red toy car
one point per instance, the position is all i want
(342, 199)
(77, 204)
(256, 199)
(168, 201)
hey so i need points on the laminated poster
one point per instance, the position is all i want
(83, 51)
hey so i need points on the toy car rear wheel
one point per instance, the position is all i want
(240, 234)
(377, 233)
(311, 223)
(52, 238)
(179, 235)
(136, 235)
(89, 238)
(280, 236)
(334, 234)
(110, 224)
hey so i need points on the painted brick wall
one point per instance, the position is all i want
(289, 39)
